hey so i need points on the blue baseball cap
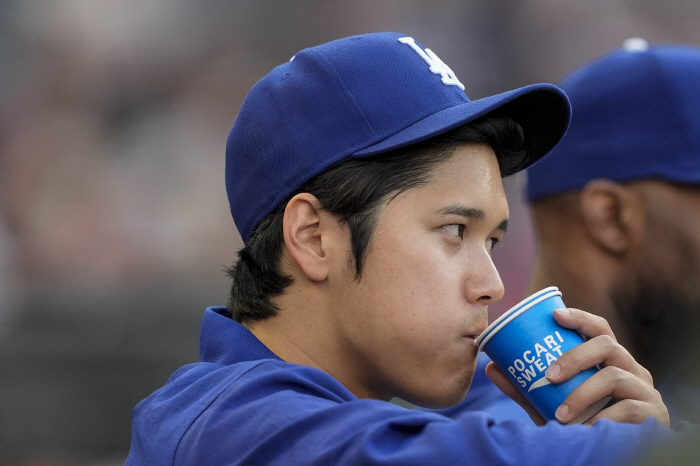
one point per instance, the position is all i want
(636, 115)
(358, 97)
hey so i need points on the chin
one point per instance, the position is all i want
(444, 399)
(440, 403)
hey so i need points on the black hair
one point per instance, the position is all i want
(354, 191)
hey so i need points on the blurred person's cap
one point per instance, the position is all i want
(635, 115)
(358, 97)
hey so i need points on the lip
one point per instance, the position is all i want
(476, 327)
(472, 336)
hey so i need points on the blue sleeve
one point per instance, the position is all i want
(274, 416)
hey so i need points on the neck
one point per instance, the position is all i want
(287, 334)
(304, 332)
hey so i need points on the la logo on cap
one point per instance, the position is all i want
(436, 65)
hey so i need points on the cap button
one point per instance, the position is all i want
(635, 44)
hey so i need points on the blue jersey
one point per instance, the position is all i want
(241, 404)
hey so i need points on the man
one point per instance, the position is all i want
(617, 209)
(367, 189)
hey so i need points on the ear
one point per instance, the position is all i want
(303, 228)
(611, 215)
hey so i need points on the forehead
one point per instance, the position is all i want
(477, 162)
(470, 177)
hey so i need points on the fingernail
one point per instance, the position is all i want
(562, 412)
(564, 311)
(553, 371)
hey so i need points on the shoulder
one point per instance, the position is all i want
(201, 394)
(201, 385)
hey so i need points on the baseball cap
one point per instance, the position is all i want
(358, 97)
(636, 115)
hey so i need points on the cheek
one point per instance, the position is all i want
(417, 293)
(666, 252)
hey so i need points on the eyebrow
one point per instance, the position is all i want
(472, 213)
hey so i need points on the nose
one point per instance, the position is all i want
(484, 285)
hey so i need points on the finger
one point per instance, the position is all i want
(632, 411)
(621, 385)
(602, 350)
(585, 323)
(506, 386)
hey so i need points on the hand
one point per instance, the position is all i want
(620, 376)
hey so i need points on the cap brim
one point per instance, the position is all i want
(543, 111)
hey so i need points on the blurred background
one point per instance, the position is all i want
(114, 224)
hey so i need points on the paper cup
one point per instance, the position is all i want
(525, 341)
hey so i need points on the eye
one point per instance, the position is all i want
(491, 243)
(455, 229)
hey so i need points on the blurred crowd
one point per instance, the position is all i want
(114, 225)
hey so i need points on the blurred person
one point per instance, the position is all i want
(684, 451)
(367, 189)
(617, 209)
(8, 278)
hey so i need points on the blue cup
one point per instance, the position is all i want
(525, 341)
